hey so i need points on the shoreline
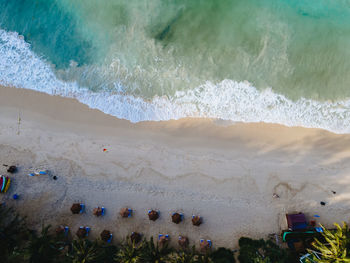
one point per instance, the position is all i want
(225, 173)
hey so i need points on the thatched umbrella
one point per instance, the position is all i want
(163, 240)
(105, 235)
(176, 218)
(125, 212)
(97, 211)
(183, 241)
(81, 233)
(153, 215)
(196, 220)
(76, 208)
(135, 237)
(205, 245)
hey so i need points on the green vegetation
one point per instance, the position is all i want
(20, 244)
(335, 245)
(261, 251)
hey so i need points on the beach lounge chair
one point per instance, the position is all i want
(208, 240)
(161, 235)
(110, 238)
(296, 221)
(87, 230)
(82, 208)
(43, 172)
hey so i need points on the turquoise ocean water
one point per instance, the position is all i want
(277, 61)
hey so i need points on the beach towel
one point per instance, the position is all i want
(7, 184)
(1, 181)
(3, 184)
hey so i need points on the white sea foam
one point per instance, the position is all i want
(228, 100)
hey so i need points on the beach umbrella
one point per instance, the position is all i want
(196, 220)
(183, 241)
(76, 208)
(176, 218)
(135, 237)
(105, 235)
(125, 212)
(61, 230)
(97, 211)
(83, 232)
(153, 215)
(163, 240)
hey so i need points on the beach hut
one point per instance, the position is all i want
(176, 218)
(153, 215)
(183, 241)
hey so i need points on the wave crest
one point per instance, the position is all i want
(228, 100)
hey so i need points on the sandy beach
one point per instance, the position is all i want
(227, 173)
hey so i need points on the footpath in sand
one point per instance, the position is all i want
(225, 173)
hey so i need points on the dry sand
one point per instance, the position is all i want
(225, 173)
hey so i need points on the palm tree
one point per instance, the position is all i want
(335, 247)
(151, 253)
(84, 251)
(13, 234)
(129, 253)
(184, 256)
(43, 248)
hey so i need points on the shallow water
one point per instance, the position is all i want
(242, 60)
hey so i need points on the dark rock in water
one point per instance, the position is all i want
(12, 169)
(323, 203)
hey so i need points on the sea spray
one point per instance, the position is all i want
(229, 100)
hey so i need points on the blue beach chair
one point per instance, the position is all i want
(82, 209)
(110, 238)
